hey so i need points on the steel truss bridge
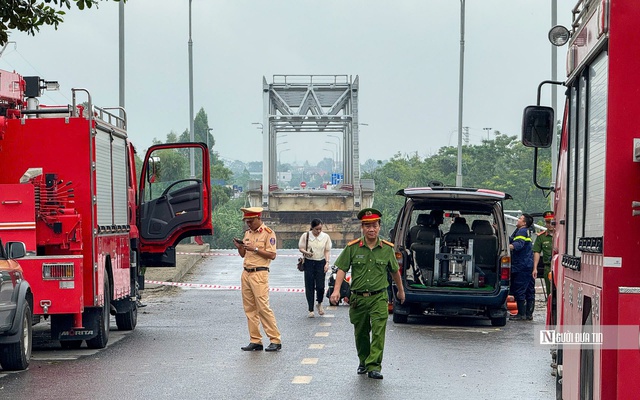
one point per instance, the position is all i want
(312, 105)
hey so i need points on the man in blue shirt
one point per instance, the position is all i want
(522, 281)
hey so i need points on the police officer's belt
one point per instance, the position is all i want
(257, 269)
(367, 294)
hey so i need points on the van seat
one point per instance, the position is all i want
(485, 246)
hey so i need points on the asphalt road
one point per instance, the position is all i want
(187, 345)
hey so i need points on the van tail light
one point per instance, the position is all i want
(400, 261)
(505, 268)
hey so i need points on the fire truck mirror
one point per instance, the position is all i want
(537, 126)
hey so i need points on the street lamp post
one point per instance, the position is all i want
(280, 153)
(338, 152)
(554, 96)
(333, 158)
(120, 53)
(460, 92)
(191, 133)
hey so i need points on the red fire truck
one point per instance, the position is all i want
(69, 191)
(595, 300)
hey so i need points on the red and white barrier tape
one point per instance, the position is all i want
(217, 287)
(209, 253)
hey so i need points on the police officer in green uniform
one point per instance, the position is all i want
(370, 259)
(544, 245)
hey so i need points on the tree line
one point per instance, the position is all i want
(502, 164)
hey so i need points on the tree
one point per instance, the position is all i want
(502, 164)
(29, 15)
(227, 224)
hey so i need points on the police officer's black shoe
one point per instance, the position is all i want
(374, 375)
(517, 317)
(252, 347)
(362, 370)
(273, 347)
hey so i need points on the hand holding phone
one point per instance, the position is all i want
(238, 241)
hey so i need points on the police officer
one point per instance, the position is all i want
(370, 260)
(544, 245)
(258, 248)
(522, 282)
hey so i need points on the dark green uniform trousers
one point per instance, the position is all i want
(369, 318)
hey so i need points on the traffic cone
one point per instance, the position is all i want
(512, 306)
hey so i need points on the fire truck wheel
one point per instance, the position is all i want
(104, 320)
(16, 356)
(127, 321)
(558, 377)
(71, 344)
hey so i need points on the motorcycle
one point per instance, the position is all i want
(345, 288)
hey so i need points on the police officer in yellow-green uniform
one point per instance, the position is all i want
(258, 248)
(544, 245)
(370, 260)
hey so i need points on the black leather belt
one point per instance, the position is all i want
(367, 294)
(257, 269)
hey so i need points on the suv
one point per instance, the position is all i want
(15, 309)
(453, 252)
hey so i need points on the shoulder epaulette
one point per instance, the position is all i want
(354, 241)
(387, 243)
(266, 228)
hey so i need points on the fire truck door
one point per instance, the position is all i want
(173, 202)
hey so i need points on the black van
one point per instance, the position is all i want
(453, 251)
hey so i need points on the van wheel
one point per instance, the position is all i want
(16, 356)
(400, 318)
(104, 320)
(502, 321)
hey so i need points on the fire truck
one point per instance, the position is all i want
(594, 305)
(70, 192)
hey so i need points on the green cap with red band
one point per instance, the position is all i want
(369, 215)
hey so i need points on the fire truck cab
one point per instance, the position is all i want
(70, 191)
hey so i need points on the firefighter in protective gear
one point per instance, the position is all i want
(522, 282)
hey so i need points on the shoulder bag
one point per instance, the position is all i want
(301, 259)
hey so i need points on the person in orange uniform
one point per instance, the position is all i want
(258, 248)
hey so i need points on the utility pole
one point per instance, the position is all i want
(191, 128)
(488, 132)
(121, 53)
(554, 96)
(460, 93)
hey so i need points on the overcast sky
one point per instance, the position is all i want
(406, 53)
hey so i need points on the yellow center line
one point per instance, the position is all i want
(301, 379)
